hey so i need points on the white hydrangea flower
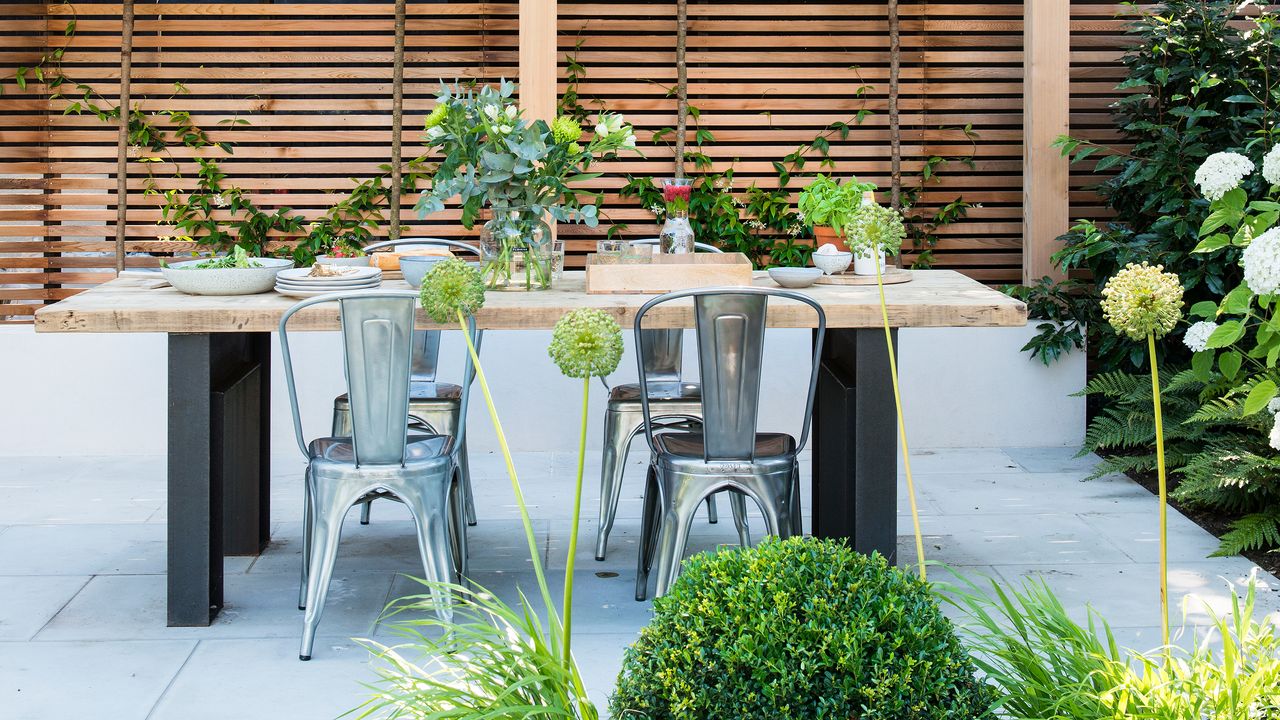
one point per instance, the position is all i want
(1271, 166)
(1275, 434)
(1262, 263)
(1197, 336)
(1222, 172)
(220, 201)
(1273, 406)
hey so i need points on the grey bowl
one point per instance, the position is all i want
(188, 278)
(795, 277)
(361, 261)
(416, 267)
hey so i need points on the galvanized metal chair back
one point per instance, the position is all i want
(426, 343)
(663, 355)
(730, 324)
(377, 329)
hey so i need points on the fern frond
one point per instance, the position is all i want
(1252, 532)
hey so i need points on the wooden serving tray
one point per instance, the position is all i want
(891, 276)
(667, 273)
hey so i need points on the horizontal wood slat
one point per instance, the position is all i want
(314, 80)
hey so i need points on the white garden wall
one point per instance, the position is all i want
(105, 394)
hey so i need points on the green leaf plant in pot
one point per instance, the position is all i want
(828, 206)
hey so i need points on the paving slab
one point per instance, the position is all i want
(27, 603)
(43, 680)
(1053, 460)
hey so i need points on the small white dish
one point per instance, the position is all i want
(358, 261)
(832, 263)
(349, 275)
(795, 277)
(313, 292)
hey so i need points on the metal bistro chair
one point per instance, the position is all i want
(678, 405)
(380, 457)
(434, 407)
(728, 453)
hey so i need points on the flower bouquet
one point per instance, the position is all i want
(522, 170)
(677, 234)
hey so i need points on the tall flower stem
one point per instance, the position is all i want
(573, 528)
(511, 472)
(1164, 491)
(902, 423)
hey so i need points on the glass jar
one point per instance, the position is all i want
(676, 236)
(515, 250)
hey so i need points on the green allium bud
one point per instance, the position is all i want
(450, 286)
(586, 343)
(1141, 300)
(565, 129)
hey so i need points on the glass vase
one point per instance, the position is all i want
(516, 251)
(676, 236)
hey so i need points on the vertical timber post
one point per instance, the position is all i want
(1046, 98)
(397, 122)
(122, 140)
(538, 58)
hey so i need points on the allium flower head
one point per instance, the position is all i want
(586, 343)
(1262, 263)
(565, 129)
(1142, 300)
(875, 228)
(1271, 166)
(1197, 336)
(1221, 173)
(452, 285)
(436, 116)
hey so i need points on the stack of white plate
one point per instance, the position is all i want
(300, 283)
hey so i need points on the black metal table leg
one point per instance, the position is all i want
(218, 464)
(855, 466)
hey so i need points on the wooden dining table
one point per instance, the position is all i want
(219, 407)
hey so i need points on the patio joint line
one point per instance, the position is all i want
(62, 607)
(172, 679)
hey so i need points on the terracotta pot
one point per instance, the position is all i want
(823, 234)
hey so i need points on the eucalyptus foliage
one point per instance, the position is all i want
(494, 156)
(801, 629)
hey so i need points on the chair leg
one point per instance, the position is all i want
(307, 518)
(673, 537)
(618, 431)
(648, 535)
(458, 529)
(713, 517)
(364, 511)
(468, 496)
(432, 508)
(739, 503)
(797, 517)
(330, 506)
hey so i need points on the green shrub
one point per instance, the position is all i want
(799, 629)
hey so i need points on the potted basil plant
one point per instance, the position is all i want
(828, 206)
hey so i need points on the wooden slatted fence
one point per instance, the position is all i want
(314, 82)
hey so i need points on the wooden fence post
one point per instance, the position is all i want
(397, 122)
(538, 58)
(1046, 100)
(122, 140)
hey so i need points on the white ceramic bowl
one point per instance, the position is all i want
(832, 263)
(188, 278)
(416, 267)
(795, 277)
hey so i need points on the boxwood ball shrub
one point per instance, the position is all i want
(799, 629)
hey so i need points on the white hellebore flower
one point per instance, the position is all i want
(511, 112)
(1262, 263)
(608, 125)
(504, 129)
(1275, 435)
(491, 112)
(1197, 336)
(1221, 173)
(629, 141)
(219, 200)
(434, 132)
(1271, 166)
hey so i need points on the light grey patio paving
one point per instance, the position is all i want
(82, 591)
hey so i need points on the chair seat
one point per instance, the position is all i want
(773, 452)
(658, 392)
(420, 449)
(418, 392)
